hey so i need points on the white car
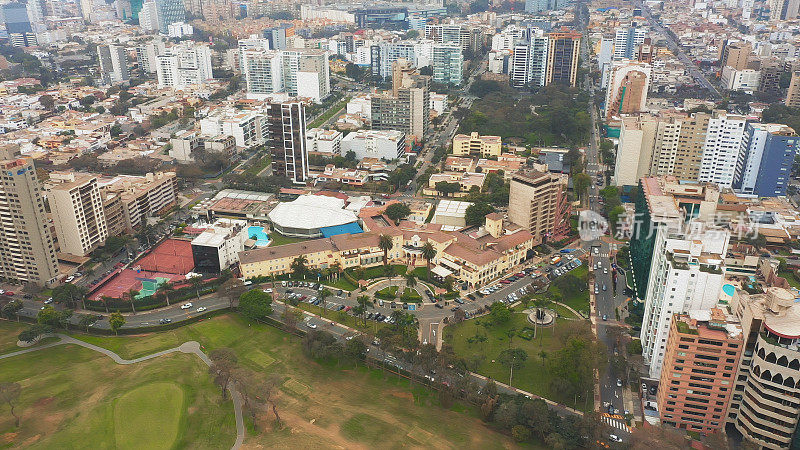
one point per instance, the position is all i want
(311, 325)
(605, 270)
(201, 309)
(186, 305)
(268, 290)
(615, 438)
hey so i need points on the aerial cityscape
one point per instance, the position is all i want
(483, 224)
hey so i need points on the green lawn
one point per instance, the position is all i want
(279, 239)
(349, 407)
(9, 332)
(533, 377)
(379, 272)
(149, 416)
(579, 302)
(71, 399)
(793, 282)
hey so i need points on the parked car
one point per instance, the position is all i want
(165, 320)
(311, 325)
(201, 309)
(186, 305)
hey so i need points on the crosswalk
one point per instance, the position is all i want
(616, 421)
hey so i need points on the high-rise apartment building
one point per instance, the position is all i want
(783, 9)
(287, 140)
(537, 6)
(689, 152)
(407, 107)
(562, 57)
(700, 364)
(277, 36)
(529, 61)
(765, 160)
(78, 215)
(736, 55)
(148, 16)
(27, 251)
(113, 64)
(627, 40)
(721, 149)
(449, 34)
(765, 406)
(448, 63)
(183, 65)
(18, 24)
(306, 73)
(637, 140)
(793, 93)
(627, 88)
(538, 202)
(262, 71)
(147, 55)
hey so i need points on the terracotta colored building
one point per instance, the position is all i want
(697, 377)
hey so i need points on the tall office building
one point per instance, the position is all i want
(765, 160)
(27, 252)
(287, 140)
(736, 55)
(627, 88)
(78, 215)
(262, 71)
(627, 40)
(538, 202)
(562, 57)
(183, 65)
(764, 407)
(695, 386)
(721, 149)
(136, 7)
(113, 64)
(407, 107)
(18, 24)
(169, 12)
(448, 63)
(277, 36)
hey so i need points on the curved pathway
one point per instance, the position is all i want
(186, 347)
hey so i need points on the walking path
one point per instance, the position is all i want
(186, 347)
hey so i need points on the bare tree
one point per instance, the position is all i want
(9, 394)
(223, 364)
(232, 290)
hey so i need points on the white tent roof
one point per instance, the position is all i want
(311, 212)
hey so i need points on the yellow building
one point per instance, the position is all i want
(474, 143)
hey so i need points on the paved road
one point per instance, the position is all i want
(186, 347)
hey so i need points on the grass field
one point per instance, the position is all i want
(279, 239)
(533, 377)
(149, 416)
(321, 405)
(9, 335)
(71, 399)
(578, 302)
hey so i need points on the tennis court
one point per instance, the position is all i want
(171, 256)
(143, 281)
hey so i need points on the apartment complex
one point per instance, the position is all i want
(627, 89)
(538, 203)
(700, 365)
(448, 64)
(529, 60)
(562, 57)
(736, 55)
(385, 144)
(218, 246)
(78, 215)
(765, 160)
(793, 93)
(306, 73)
(464, 145)
(113, 64)
(287, 140)
(140, 197)
(27, 250)
(407, 108)
(721, 148)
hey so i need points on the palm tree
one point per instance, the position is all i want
(364, 302)
(511, 333)
(385, 243)
(105, 300)
(543, 356)
(299, 266)
(428, 252)
(196, 282)
(166, 288)
(131, 294)
(325, 293)
(336, 268)
(411, 280)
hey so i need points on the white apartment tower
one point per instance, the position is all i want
(184, 65)
(77, 208)
(27, 251)
(721, 148)
(113, 64)
(263, 72)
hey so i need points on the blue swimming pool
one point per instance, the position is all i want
(259, 235)
(728, 289)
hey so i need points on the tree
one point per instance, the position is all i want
(9, 394)
(47, 101)
(87, 101)
(520, 433)
(499, 312)
(87, 320)
(116, 321)
(48, 316)
(255, 304)
(397, 211)
(290, 317)
(167, 288)
(580, 183)
(411, 280)
(364, 303)
(232, 289)
(223, 364)
(197, 283)
(385, 243)
(11, 309)
(299, 268)
(513, 358)
(476, 213)
(69, 295)
(34, 332)
(131, 294)
(446, 188)
(428, 252)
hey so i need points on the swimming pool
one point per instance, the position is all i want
(258, 233)
(728, 289)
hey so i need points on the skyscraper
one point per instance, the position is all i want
(448, 62)
(306, 73)
(407, 107)
(562, 57)
(765, 160)
(626, 40)
(287, 140)
(183, 65)
(27, 252)
(18, 25)
(169, 11)
(538, 202)
(113, 64)
(78, 215)
(736, 55)
(262, 72)
(721, 148)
